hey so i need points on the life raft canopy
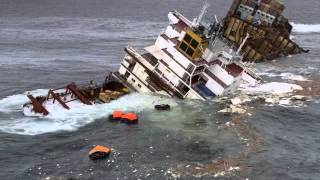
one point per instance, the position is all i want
(117, 114)
(99, 152)
(130, 118)
(125, 117)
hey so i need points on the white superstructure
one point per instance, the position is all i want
(186, 61)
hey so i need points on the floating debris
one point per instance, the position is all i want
(99, 152)
(88, 94)
(162, 107)
(299, 98)
(233, 109)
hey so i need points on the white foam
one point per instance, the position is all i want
(78, 116)
(306, 28)
(271, 88)
(286, 76)
(294, 77)
(15, 102)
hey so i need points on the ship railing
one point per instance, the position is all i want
(232, 45)
(214, 77)
(185, 77)
(182, 91)
(168, 82)
(145, 61)
(252, 73)
(199, 70)
(150, 58)
(181, 17)
(248, 67)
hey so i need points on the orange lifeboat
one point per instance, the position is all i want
(130, 118)
(116, 116)
(99, 152)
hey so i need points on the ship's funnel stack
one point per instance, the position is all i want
(269, 31)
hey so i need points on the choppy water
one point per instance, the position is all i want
(45, 44)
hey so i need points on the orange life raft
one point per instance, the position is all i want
(99, 152)
(129, 118)
(116, 116)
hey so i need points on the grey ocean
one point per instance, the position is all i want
(49, 43)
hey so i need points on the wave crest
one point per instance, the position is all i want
(306, 28)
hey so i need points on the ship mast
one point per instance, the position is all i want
(196, 21)
(242, 44)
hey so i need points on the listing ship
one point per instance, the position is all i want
(188, 60)
(269, 30)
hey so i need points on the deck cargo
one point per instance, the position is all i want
(269, 30)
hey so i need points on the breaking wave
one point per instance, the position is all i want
(285, 76)
(61, 119)
(306, 28)
(14, 103)
(271, 88)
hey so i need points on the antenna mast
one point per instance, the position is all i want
(242, 44)
(196, 21)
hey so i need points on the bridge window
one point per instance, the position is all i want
(189, 45)
(184, 46)
(187, 38)
(194, 44)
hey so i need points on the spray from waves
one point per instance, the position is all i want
(271, 88)
(15, 102)
(285, 76)
(306, 28)
(79, 115)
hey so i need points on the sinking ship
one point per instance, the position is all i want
(188, 60)
(269, 30)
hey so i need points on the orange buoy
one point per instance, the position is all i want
(99, 152)
(130, 118)
(116, 115)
